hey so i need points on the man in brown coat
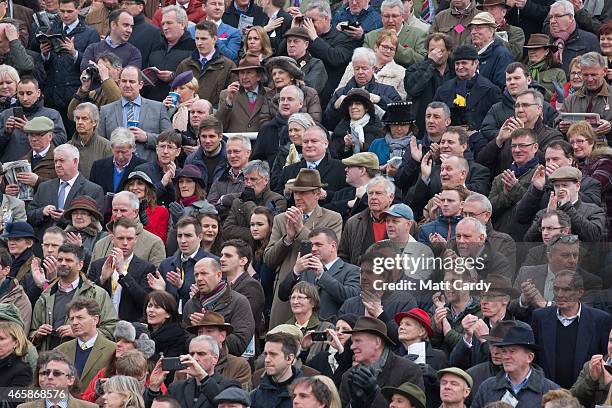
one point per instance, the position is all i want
(454, 21)
(209, 66)
(291, 228)
(240, 104)
(229, 366)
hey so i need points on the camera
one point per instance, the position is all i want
(319, 336)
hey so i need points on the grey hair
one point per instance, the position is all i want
(122, 137)
(69, 149)
(181, 14)
(246, 142)
(94, 113)
(480, 199)
(461, 162)
(303, 119)
(299, 93)
(440, 105)
(321, 6)
(537, 96)
(566, 5)
(391, 4)
(363, 52)
(214, 347)
(10, 71)
(207, 103)
(480, 228)
(257, 166)
(132, 198)
(592, 59)
(389, 186)
(54, 355)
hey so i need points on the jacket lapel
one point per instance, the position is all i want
(119, 113)
(336, 267)
(585, 333)
(144, 112)
(549, 326)
(76, 187)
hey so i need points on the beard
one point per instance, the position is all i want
(63, 271)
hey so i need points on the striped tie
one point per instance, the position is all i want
(130, 112)
(425, 13)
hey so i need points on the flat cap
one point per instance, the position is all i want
(233, 394)
(459, 373)
(566, 173)
(39, 124)
(368, 160)
(483, 18)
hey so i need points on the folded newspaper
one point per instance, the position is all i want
(11, 169)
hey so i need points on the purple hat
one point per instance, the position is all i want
(182, 79)
(193, 172)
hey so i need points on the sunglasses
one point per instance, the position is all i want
(565, 239)
(55, 373)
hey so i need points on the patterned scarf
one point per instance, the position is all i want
(357, 132)
(397, 146)
(561, 38)
(209, 300)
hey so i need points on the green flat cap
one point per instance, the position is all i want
(39, 124)
(414, 394)
(566, 173)
(366, 159)
(459, 373)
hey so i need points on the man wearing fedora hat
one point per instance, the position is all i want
(229, 366)
(360, 168)
(292, 227)
(377, 366)
(493, 55)
(512, 36)
(241, 103)
(315, 75)
(521, 383)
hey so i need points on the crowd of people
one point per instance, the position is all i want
(305, 203)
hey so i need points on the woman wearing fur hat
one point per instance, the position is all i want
(128, 336)
(359, 127)
(84, 228)
(284, 71)
(594, 160)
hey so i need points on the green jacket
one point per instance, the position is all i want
(589, 392)
(447, 342)
(546, 76)
(43, 310)
(410, 46)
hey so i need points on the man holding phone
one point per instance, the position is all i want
(357, 18)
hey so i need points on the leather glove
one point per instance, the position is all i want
(363, 386)
(226, 200)
(142, 213)
(247, 195)
(176, 210)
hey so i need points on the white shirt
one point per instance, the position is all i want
(566, 321)
(87, 344)
(116, 295)
(70, 184)
(483, 49)
(73, 285)
(43, 152)
(329, 265)
(185, 259)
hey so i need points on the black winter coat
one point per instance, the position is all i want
(372, 130)
(272, 395)
(167, 60)
(191, 395)
(531, 17)
(146, 37)
(63, 71)
(421, 82)
(270, 136)
(480, 98)
(331, 171)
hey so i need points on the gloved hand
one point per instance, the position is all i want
(363, 386)
(226, 200)
(176, 211)
(247, 195)
(142, 213)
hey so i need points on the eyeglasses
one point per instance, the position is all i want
(577, 142)
(473, 215)
(575, 74)
(558, 16)
(387, 47)
(521, 145)
(298, 297)
(546, 229)
(166, 147)
(524, 105)
(55, 373)
(565, 239)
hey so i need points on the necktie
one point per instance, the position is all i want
(425, 12)
(61, 196)
(66, 30)
(252, 96)
(36, 159)
(306, 217)
(130, 112)
(312, 166)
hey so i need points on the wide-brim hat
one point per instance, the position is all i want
(398, 113)
(19, 229)
(540, 41)
(499, 330)
(367, 324)
(286, 64)
(250, 61)
(83, 203)
(357, 95)
(193, 172)
(483, 18)
(500, 285)
(519, 336)
(493, 3)
(420, 316)
(299, 32)
(141, 175)
(307, 180)
(414, 394)
(212, 319)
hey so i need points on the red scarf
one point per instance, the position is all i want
(561, 38)
(187, 201)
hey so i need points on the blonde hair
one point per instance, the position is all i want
(16, 332)
(583, 128)
(10, 71)
(128, 387)
(266, 46)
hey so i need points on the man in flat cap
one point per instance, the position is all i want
(455, 387)
(233, 397)
(40, 134)
(588, 220)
